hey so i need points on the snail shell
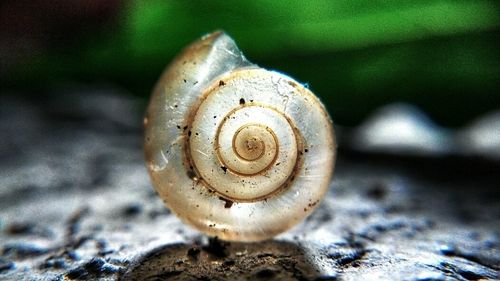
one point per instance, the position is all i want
(236, 151)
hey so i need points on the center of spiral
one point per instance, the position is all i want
(248, 143)
(253, 148)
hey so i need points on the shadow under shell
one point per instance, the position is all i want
(218, 260)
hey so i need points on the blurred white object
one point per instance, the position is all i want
(402, 129)
(482, 136)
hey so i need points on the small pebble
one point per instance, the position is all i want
(193, 252)
(58, 263)
(95, 267)
(73, 255)
(133, 209)
(23, 250)
(447, 250)
(6, 266)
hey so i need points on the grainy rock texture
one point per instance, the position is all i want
(76, 204)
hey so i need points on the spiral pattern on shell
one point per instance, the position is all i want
(237, 151)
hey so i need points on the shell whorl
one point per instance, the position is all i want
(235, 150)
(243, 149)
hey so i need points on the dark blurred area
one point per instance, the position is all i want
(441, 56)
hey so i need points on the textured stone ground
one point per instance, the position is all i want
(76, 204)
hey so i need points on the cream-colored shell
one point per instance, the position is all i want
(236, 151)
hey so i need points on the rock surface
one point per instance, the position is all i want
(76, 204)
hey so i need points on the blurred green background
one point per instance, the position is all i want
(357, 55)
